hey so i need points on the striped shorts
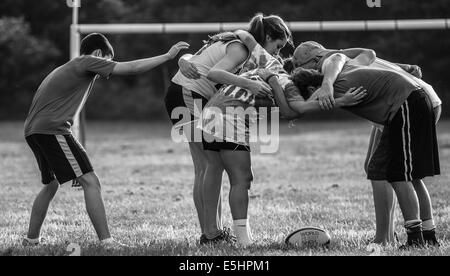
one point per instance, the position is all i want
(408, 148)
(59, 157)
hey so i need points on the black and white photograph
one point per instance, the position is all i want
(224, 132)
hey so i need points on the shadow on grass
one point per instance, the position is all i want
(165, 248)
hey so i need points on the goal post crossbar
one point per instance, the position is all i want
(299, 26)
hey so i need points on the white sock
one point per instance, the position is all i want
(428, 225)
(33, 241)
(242, 230)
(107, 241)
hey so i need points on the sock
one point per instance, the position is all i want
(429, 233)
(107, 241)
(33, 241)
(414, 231)
(428, 225)
(242, 231)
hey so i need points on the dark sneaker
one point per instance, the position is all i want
(225, 236)
(430, 238)
(203, 239)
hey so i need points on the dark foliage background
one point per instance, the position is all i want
(34, 39)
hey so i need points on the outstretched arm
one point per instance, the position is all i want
(144, 65)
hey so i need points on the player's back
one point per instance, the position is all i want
(63, 93)
(387, 90)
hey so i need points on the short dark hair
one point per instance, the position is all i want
(96, 41)
(303, 78)
(288, 65)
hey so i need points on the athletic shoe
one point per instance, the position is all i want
(224, 236)
(203, 239)
(430, 238)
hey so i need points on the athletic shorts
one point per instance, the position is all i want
(408, 148)
(60, 157)
(224, 145)
(177, 97)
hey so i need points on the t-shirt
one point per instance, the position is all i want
(63, 93)
(383, 64)
(387, 90)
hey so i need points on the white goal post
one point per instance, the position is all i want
(77, 29)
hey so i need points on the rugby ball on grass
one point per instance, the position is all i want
(309, 237)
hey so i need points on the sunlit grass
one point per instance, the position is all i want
(316, 179)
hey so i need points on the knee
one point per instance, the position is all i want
(89, 180)
(53, 187)
(242, 178)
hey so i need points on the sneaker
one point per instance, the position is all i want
(32, 242)
(224, 236)
(430, 238)
(203, 239)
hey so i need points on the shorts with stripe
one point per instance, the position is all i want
(409, 142)
(60, 157)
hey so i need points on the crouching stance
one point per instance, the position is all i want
(58, 101)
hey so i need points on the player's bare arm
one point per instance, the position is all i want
(248, 40)
(236, 55)
(144, 65)
(332, 68)
(187, 68)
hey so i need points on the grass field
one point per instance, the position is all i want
(316, 179)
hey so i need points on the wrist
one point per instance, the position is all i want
(167, 57)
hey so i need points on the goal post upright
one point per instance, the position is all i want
(76, 29)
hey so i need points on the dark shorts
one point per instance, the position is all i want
(60, 157)
(219, 146)
(408, 148)
(175, 98)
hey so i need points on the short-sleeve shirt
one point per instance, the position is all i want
(63, 93)
(387, 90)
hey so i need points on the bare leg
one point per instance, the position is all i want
(407, 198)
(199, 160)
(40, 208)
(426, 209)
(238, 167)
(212, 192)
(384, 200)
(94, 204)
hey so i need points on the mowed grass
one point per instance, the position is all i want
(316, 179)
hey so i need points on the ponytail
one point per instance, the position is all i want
(257, 28)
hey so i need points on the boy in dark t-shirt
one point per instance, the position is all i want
(57, 102)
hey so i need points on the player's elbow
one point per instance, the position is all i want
(371, 56)
(338, 58)
(125, 68)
